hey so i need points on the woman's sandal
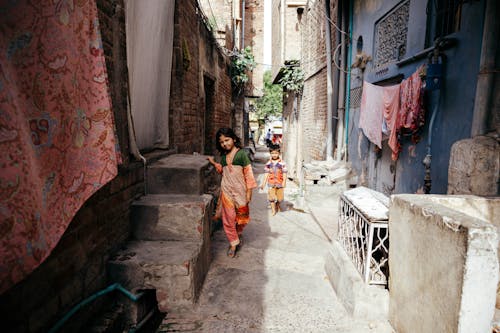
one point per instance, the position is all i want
(231, 253)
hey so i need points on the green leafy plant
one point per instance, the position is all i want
(271, 102)
(293, 78)
(241, 63)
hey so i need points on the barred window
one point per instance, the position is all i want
(443, 18)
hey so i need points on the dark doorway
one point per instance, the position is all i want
(209, 86)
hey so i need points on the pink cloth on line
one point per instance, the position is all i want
(377, 102)
(411, 113)
(57, 133)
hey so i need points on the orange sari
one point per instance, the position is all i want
(236, 179)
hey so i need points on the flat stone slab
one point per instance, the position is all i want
(172, 217)
(374, 205)
(181, 174)
(175, 269)
(359, 299)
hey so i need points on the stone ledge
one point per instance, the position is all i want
(359, 299)
(175, 269)
(172, 217)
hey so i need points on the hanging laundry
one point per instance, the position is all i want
(57, 134)
(411, 115)
(376, 102)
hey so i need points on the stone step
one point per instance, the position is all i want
(359, 299)
(182, 174)
(172, 217)
(175, 269)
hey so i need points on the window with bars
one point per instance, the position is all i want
(443, 18)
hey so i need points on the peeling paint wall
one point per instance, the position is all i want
(455, 109)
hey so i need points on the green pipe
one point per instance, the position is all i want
(115, 286)
(349, 63)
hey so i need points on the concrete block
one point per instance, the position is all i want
(181, 174)
(171, 217)
(175, 269)
(359, 299)
(443, 265)
(474, 166)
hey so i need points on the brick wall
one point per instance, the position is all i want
(314, 103)
(254, 37)
(76, 268)
(196, 55)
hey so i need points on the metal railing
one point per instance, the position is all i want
(365, 241)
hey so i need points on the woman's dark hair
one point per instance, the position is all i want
(229, 133)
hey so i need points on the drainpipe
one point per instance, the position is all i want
(329, 85)
(348, 99)
(341, 83)
(113, 287)
(484, 91)
(242, 24)
(134, 149)
(434, 84)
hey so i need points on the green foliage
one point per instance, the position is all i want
(241, 63)
(271, 102)
(293, 78)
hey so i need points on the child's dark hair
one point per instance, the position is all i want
(229, 133)
(274, 148)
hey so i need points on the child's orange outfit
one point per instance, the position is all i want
(276, 171)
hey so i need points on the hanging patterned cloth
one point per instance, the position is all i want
(57, 134)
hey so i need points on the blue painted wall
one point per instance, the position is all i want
(455, 111)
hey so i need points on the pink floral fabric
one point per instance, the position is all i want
(57, 138)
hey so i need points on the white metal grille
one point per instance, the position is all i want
(365, 241)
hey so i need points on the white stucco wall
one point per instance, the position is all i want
(443, 265)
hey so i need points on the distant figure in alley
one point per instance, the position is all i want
(236, 187)
(275, 177)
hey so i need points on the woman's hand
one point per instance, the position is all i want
(211, 160)
(249, 196)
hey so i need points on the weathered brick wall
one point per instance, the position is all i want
(292, 33)
(277, 59)
(314, 103)
(196, 54)
(254, 37)
(76, 267)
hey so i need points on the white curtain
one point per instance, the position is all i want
(150, 33)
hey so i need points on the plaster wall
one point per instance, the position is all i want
(254, 37)
(443, 264)
(455, 105)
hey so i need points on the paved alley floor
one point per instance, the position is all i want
(276, 283)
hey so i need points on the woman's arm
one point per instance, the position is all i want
(264, 182)
(249, 195)
(217, 166)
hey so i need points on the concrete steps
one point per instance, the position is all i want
(175, 269)
(171, 217)
(170, 247)
(181, 174)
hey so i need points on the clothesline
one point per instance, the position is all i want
(392, 109)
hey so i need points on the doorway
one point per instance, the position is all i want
(209, 88)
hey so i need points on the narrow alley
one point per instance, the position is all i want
(277, 281)
(124, 123)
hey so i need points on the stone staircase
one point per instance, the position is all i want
(170, 247)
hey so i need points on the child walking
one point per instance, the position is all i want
(236, 186)
(275, 176)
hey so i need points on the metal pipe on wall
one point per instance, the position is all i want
(329, 85)
(348, 86)
(486, 76)
(341, 84)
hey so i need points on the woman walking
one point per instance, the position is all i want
(236, 186)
